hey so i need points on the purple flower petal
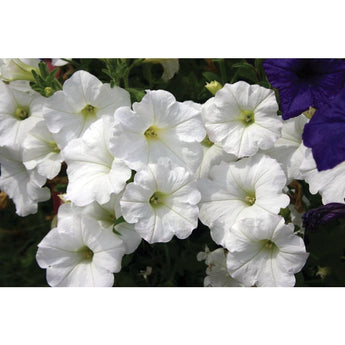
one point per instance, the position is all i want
(304, 82)
(325, 134)
(323, 214)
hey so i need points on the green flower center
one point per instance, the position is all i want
(151, 133)
(207, 142)
(53, 147)
(247, 117)
(89, 111)
(86, 253)
(269, 244)
(157, 199)
(22, 113)
(250, 199)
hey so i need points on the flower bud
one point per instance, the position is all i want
(213, 86)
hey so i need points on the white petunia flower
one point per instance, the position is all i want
(329, 183)
(158, 128)
(83, 100)
(78, 252)
(217, 272)
(18, 69)
(245, 188)
(106, 215)
(21, 185)
(162, 202)
(265, 252)
(243, 118)
(20, 110)
(41, 151)
(289, 150)
(93, 172)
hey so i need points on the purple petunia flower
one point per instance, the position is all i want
(304, 82)
(323, 214)
(325, 134)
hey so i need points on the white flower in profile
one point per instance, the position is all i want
(106, 215)
(41, 151)
(158, 128)
(217, 274)
(93, 172)
(78, 252)
(264, 251)
(243, 118)
(235, 190)
(213, 155)
(329, 183)
(23, 186)
(170, 67)
(289, 150)
(20, 110)
(161, 202)
(83, 100)
(18, 69)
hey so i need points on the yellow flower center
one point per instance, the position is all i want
(247, 117)
(151, 132)
(86, 253)
(157, 199)
(89, 110)
(250, 199)
(207, 142)
(22, 113)
(269, 244)
(53, 146)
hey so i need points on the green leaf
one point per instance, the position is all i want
(210, 76)
(246, 71)
(136, 94)
(45, 82)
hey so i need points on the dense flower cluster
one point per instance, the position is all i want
(150, 170)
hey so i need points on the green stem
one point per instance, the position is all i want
(125, 80)
(167, 255)
(222, 70)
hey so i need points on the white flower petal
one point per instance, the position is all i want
(79, 252)
(289, 150)
(19, 112)
(65, 110)
(162, 202)
(158, 129)
(242, 118)
(263, 251)
(245, 188)
(329, 183)
(93, 173)
(22, 186)
(40, 150)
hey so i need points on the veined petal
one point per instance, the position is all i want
(257, 251)
(93, 172)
